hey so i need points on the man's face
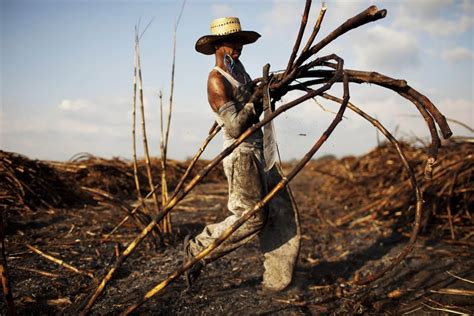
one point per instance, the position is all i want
(232, 48)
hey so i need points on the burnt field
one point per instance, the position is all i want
(356, 215)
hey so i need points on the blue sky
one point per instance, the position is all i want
(67, 71)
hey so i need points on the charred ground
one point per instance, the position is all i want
(356, 215)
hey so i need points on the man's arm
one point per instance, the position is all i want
(220, 98)
(219, 91)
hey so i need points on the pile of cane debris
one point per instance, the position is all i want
(371, 186)
(376, 186)
(27, 185)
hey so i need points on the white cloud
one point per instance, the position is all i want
(222, 10)
(432, 16)
(458, 109)
(467, 6)
(385, 49)
(458, 54)
(75, 105)
(283, 15)
(74, 125)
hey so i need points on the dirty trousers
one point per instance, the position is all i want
(276, 225)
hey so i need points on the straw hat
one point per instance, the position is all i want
(225, 28)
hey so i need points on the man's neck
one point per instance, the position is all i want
(221, 64)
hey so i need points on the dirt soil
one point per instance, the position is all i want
(331, 255)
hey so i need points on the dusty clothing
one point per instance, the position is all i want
(279, 238)
(241, 94)
(276, 224)
(244, 171)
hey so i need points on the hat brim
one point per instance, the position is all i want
(205, 44)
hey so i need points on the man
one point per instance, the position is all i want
(229, 88)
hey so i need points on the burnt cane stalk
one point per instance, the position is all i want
(416, 191)
(371, 14)
(296, 47)
(212, 132)
(316, 28)
(426, 108)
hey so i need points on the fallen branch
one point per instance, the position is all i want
(60, 262)
(40, 272)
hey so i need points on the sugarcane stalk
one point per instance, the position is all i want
(316, 28)
(213, 131)
(405, 90)
(304, 21)
(164, 148)
(371, 14)
(134, 145)
(134, 111)
(143, 125)
(164, 185)
(60, 262)
(416, 191)
(426, 108)
(435, 141)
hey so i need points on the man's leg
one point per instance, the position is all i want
(280, 238)
(244, 172)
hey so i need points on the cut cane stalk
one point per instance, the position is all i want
(416, 191)
(316, 28)
(143, 125)
(137, 71)
(304, 21)
(60, 262)
(213, 132)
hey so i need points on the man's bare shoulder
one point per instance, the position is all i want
(216, 80)
(218, 90)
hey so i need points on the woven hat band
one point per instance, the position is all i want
(224, 26)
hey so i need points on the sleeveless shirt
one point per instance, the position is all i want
(241, 94)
